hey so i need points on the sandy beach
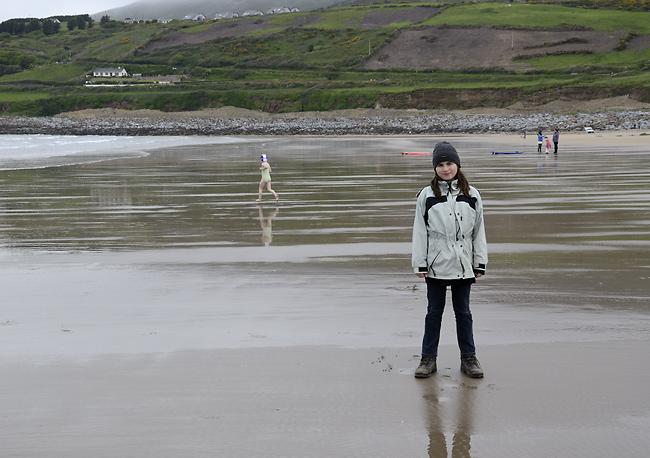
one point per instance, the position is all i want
(142, 316)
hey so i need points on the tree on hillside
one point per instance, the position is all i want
(13, 27)
(72, 23)
(33, 25)
(109, 23)
(81, 22)
(50, 27)
(104, 20)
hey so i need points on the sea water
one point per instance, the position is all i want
(41, 151)
(64, 192)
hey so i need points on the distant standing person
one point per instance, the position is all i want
(556, 140)
(548, 144)
(266, 179)
(540, 141)
(449, 250)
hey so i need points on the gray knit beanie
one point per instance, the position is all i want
(444, 152)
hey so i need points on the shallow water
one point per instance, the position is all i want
(572, 227)
(333, 190)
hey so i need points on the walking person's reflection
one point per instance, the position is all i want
(267, 225)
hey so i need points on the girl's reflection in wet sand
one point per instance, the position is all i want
(449, 410)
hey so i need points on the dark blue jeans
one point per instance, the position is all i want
(436, 295)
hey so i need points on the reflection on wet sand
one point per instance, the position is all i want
(267, 225)
(450, 413)
(547, 163)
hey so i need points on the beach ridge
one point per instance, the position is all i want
(379, 121)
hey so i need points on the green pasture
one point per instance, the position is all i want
(385, 81)
(18, 96)
(541, 16)
(60, 73)
(338, 18)
(396, 86)
(615, 59)
(625, 79)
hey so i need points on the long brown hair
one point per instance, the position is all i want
(463, 184)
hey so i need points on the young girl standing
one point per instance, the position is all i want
(449, 250)
(265, 168)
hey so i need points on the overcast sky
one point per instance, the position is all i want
(44, 8)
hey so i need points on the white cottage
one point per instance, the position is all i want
(194, 17)
(280, 10)
(250, 13)
(227, 15)
(117, 72)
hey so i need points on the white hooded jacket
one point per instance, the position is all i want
(448, 233)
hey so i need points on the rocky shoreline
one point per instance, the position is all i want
(350, 122)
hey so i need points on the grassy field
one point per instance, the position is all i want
(58, 73)
(541, 16)
(14, 96)
(622, 60)
(319, 65)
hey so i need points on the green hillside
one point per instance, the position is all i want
(393, 54)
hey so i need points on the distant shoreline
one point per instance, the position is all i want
(235, 121)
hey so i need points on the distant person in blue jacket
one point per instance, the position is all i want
(540, 141)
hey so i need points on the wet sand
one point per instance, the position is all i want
(143, 317)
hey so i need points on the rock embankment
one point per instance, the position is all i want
(349, 122)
